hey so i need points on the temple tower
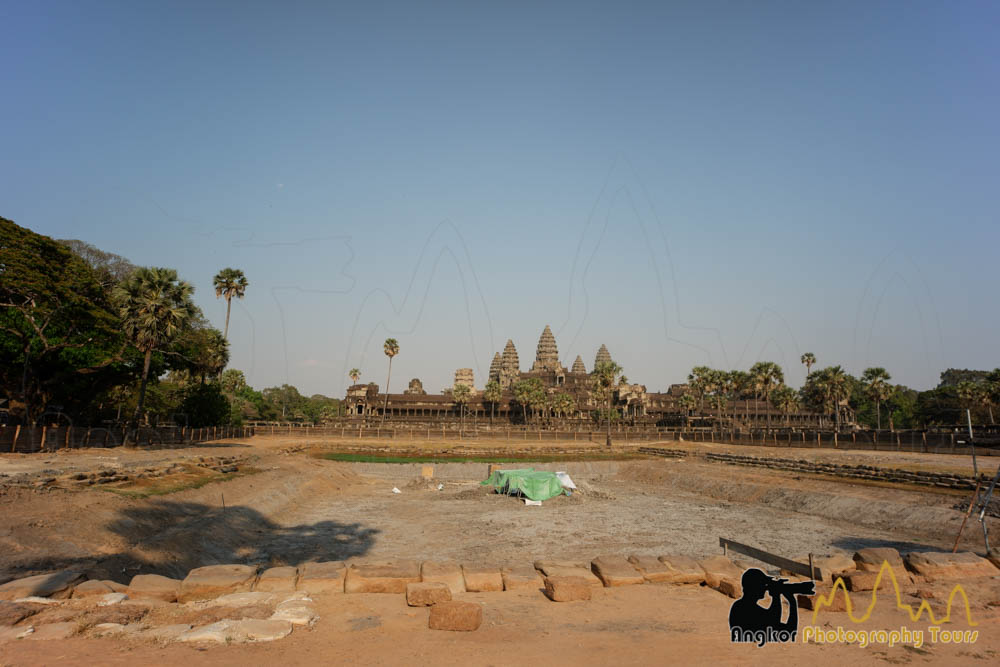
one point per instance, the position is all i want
(465, 376)
(578, 366)
(494, 369)
(602, 355)
(510, 366)
(547, 354)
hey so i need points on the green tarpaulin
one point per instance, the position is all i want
(528, 482)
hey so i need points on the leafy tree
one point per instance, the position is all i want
(939, 406)
(604, 380)
(154, 306)
(564, 404)
(493, 394)
(355, 375)
(687, 403)
(700, 381)
(109, 268)
(206, 405)
(808, 359)
(539, 398)
(391, 349)
(828, 390)
(202, 350)
(786, 399)
(233, 381)
(876, 382)
(954, 376)
(61, 339)
(229, 283)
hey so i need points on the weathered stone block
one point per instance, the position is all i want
(811, 602)
(54, 631)
(651, 569)
(616, 571)
(54, 585)
(322, 577)
(731, 587)
(427, 593)
(154, 587)
(279, 579)
(865, 581)
(91, 588)
(568, 569)
(115, 586)
(719, 567)
(567, 589)
(457, 616)
(389, 577)
(205, 583)
(871, 559)
(949, 567)
(521, 576)
(830, 565)
(261, 630)
(482, 578)
(682, 570)
(445, 572)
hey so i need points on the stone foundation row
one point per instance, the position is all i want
(944, 480)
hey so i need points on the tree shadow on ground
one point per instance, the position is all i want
(170, 538)
(856, 543)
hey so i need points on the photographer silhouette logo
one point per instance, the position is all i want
(749, 622)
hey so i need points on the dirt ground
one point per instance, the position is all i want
(294, 507)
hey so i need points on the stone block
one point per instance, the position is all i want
(682, 570)
(211, 581)
(278, 579)
(830, 566)
(567, 589)
(296, 612)
(949, 566)
(616, 571)
(115, 586)
(244, 599)
(871, 559)
(427, 593)
(388, 577)
(651, 569)
(261, 630)
(91, 588)
(166, 632)
(521, 576)
(54, 631)
(568, 569)
(444, 572)
(731, 587)
(219, 632)
(58, 585)
(862, 580)
(482, 578)
(323, 577)
(811, 602)
(427, 472)
(154, 587)
(456, 616)
(717, 568)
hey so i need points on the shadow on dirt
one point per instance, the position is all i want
(855, 543)
(171, 538)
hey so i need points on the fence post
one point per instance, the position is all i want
(44, 433)
(13, 443)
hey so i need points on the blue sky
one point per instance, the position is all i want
(690, 183)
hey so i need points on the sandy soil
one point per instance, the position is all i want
(300, 508)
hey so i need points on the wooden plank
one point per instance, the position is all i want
(771, 559)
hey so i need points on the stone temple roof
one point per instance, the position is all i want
(547, 354)
(602, 355)
(495, 367)
(578, 366)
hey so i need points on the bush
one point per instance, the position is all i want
(206, 405)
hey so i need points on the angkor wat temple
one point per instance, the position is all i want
(633, 403)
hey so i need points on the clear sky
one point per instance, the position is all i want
(689, 182)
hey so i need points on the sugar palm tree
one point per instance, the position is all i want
(154, 307)
(836, 389)
(700, 379)
(687, 403)
(808, 359)
(876, 381)
(493, 394)
(787, 399)
(229, 283)
(391, 349)
(354, 374)
(460, 394)
(522, 394)
(769, 376)
(604, 380)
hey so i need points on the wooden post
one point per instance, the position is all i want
(835, 440)
(812, 568)
(45, 430)
(13, 443)
(70, 428)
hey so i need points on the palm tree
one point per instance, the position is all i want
(460, 394)
(522, 394)
(493, 394)
(836, 389)
(354, 374)
(876, 381)
(786, 399)
(687, 402)
(229, 283)
(741, 384)
(808, 359)
(768, 376)
(604, 380)
(154, 307)
(700, 379)
(391, 349)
